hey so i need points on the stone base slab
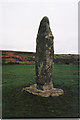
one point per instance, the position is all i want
(46, 93)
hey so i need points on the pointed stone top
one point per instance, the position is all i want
(45, 19)
(44, 26)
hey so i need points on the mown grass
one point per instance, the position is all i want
(20, 104)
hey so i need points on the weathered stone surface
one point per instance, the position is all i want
(44, 63)
(44, 56)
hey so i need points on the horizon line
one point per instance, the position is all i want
(33, 51)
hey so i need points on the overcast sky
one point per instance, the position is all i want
(20, 19)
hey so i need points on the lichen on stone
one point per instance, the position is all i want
(44, 54)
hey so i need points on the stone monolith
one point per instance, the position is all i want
(44, 56)
(44, 63)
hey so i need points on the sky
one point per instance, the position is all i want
(20, 19)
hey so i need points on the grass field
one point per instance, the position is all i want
(20, 104)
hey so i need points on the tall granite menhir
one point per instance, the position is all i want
(44, 56)
(44, 62)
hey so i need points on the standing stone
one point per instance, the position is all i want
(44, 63)
(44, 56)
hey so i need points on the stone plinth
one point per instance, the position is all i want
(43, 93)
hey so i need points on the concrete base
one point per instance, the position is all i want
(46, 93)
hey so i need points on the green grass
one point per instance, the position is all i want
(20, 104)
